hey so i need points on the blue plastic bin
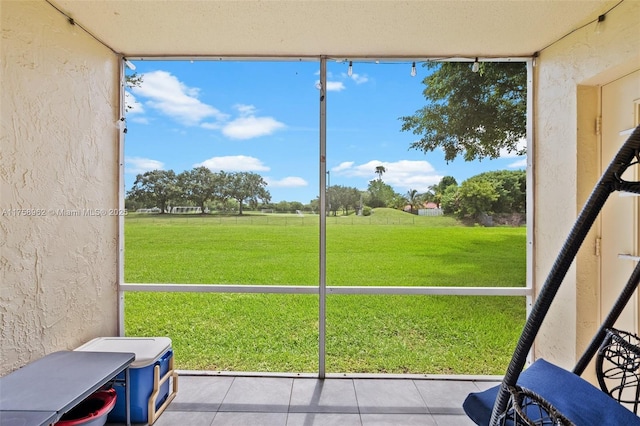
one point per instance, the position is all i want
(153, 367)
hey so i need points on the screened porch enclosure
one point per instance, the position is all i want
(63, 65)
(340, 292)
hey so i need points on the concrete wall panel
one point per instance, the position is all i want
(568, 72)
(59, 170)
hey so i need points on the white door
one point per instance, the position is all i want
(619, 217)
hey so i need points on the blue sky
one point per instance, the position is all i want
(263, 117)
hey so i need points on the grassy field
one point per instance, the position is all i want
(256, 332)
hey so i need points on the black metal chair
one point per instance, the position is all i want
(527, 408)
(618, 367)
(616, 350)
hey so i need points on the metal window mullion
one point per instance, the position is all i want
(302, 289)
(121, 195)
(530, 194)
(322, 284)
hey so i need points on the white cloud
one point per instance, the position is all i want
(518, 164)
(329, 74)
(288, 182)
(402, 175)
(138, 119)
(249, 126)
(132, 104)
(343, 166)
(245, 110)
(140, 165)
(168, 95)
(359, 78)
(234, 163)
(165, 93)
(520, 146)
(211, 126)
(335, 86)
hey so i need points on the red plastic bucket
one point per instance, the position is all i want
(92, 411)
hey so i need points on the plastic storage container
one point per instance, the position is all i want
(150, 376)
(92, 411)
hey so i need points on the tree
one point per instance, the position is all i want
(380, 170)
(510, 187)
(155, 188)
(412, 198)
(132, 80)
(296, 205)
(449, 200)
(199, 185)
(398, 201)
(345, 198)
(283, 206)
(439, 189)
(471, 114)
(496, 192)
(314, 205)
(475, 196)
(446, 182)
(380, 194)
(246, 186)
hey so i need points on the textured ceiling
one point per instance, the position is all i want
(336, 28)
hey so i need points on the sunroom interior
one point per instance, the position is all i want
(63, 64)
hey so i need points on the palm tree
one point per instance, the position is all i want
(380, 170)
(412, 197)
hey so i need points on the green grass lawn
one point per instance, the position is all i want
(273, 332)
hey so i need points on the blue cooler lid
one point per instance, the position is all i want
(147, 349)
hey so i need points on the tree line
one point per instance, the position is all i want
(198, 187)
(497, 193)
(487, 194)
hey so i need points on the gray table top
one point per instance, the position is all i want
(59, 381)
(27, 418)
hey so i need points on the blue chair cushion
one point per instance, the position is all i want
(574, 397)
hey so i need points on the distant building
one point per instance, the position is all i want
(430, 205)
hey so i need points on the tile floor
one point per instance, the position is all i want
(278, 401)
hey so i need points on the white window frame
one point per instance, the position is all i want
(322, 290)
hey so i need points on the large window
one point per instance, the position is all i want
(228, 249)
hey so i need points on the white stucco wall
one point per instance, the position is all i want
(567, 75)
(59, 152)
